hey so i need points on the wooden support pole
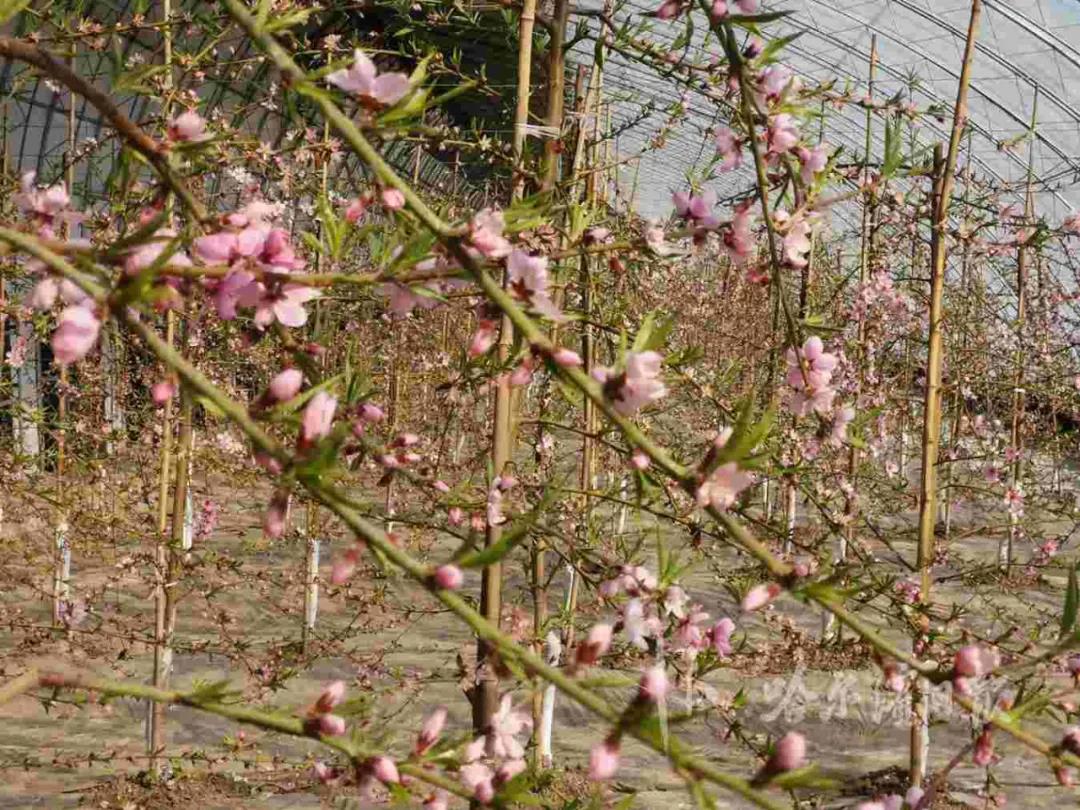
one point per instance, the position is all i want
(1016, 433)
(486, 693)
(556, 93)
(155, 730)
(957, 396)
(544, 710)
(62, 576)
(931, 437)
(847, 534)
(866, 258)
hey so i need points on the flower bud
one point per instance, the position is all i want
(384, 769)
(162, 391)
(331, 696)
(789, 754)
(448, 577)
(286, 384)
(430, 730)
(604, 760)
(653, 685)
(317, 419)
(330, 725)
(594, 646)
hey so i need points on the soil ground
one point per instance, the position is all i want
(400, 651)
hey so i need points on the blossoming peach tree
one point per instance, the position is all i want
(695, 362)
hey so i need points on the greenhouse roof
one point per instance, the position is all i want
(1025, 48)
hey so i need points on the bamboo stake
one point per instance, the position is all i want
(155, 718)
(920, 738)
(311, 584)
(1016, 436)
(311, 545)
(556, 91)
(154, 733)
(544, 714)
(62, 576)
(957, 409)
(393, 417)
(524, 91)
(866, 248)
(187, 538)
(174, 563)
(486, 695)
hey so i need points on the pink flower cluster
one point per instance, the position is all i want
(260, 259)
(320, 720)
(78, 324)
(635, 387)
(973, 661)
(811, 385)
(880, 294)
(498, 756)
(45, 207)
(363, 80)
(912, 800)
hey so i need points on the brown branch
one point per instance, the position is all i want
(154, 151)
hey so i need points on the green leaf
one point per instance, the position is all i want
(510, 538)
(9, 8)
(747, 434)
(292, 19)
(1072, 602)
(312, 242)
(768, 54)
(210, 407)
(653, 333)
(894, 155)
(745, 20)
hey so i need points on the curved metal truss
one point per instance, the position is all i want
(35, 112)
(1025, 48)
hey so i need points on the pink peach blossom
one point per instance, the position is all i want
(430, 731)
(723, 487)
(596, 643)
(760, 595)
(332, 694)
(392, 198)
(189, 127)
(318, 418)
(449, 577)
(363, 79)
(76, 333)
(384, 769)
(653, 686)
(604, 760)
(286, 384)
